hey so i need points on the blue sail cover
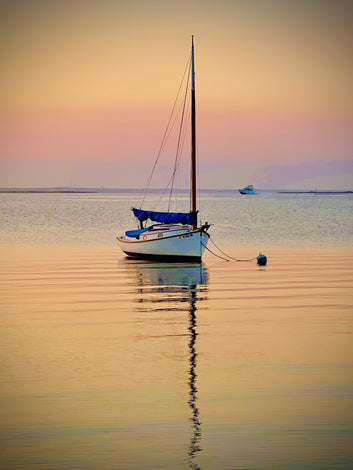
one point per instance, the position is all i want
(188, 218)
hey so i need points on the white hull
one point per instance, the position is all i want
(185, 246)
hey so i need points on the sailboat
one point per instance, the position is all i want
(176, 236)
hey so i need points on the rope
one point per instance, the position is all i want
(230, 257)
(225, 254)
(220, 257)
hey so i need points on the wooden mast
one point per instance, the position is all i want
(193, 136)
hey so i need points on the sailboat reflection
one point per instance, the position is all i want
(194, 444)
(180, 282)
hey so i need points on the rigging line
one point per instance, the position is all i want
(170, 131)
(165, 190)
(185, 132)
(234, 259)
(178, 163)
(173, 124)
(181, 131)
(179, 137)
(180, 155)
(198, 186)
(171, 177)
(166, 134)
(198, 177)
(217, 256)
(186, 128)
(177, 177)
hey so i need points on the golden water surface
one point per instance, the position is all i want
(110, 363)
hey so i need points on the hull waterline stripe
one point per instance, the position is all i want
(196, 259)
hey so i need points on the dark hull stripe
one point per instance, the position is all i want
(175, 258)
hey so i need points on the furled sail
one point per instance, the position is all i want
(188, 218)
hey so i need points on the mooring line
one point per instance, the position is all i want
(220, 257)
(230, 257)
(261, 259)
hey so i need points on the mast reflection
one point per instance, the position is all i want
(178, 283)
(195, 440)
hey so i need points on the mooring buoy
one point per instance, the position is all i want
(261, 260)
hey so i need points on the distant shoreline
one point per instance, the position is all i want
(315, 192)
(47, 191)
(63, 190)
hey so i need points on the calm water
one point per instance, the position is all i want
(110, 363)
(265, 220)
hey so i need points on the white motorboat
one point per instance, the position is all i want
(248, 190)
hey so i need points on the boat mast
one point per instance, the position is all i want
(193, 136)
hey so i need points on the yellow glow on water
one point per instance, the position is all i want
(108, 362)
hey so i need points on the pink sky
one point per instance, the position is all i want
(88, 87)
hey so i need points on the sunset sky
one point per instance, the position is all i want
(87, 87)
